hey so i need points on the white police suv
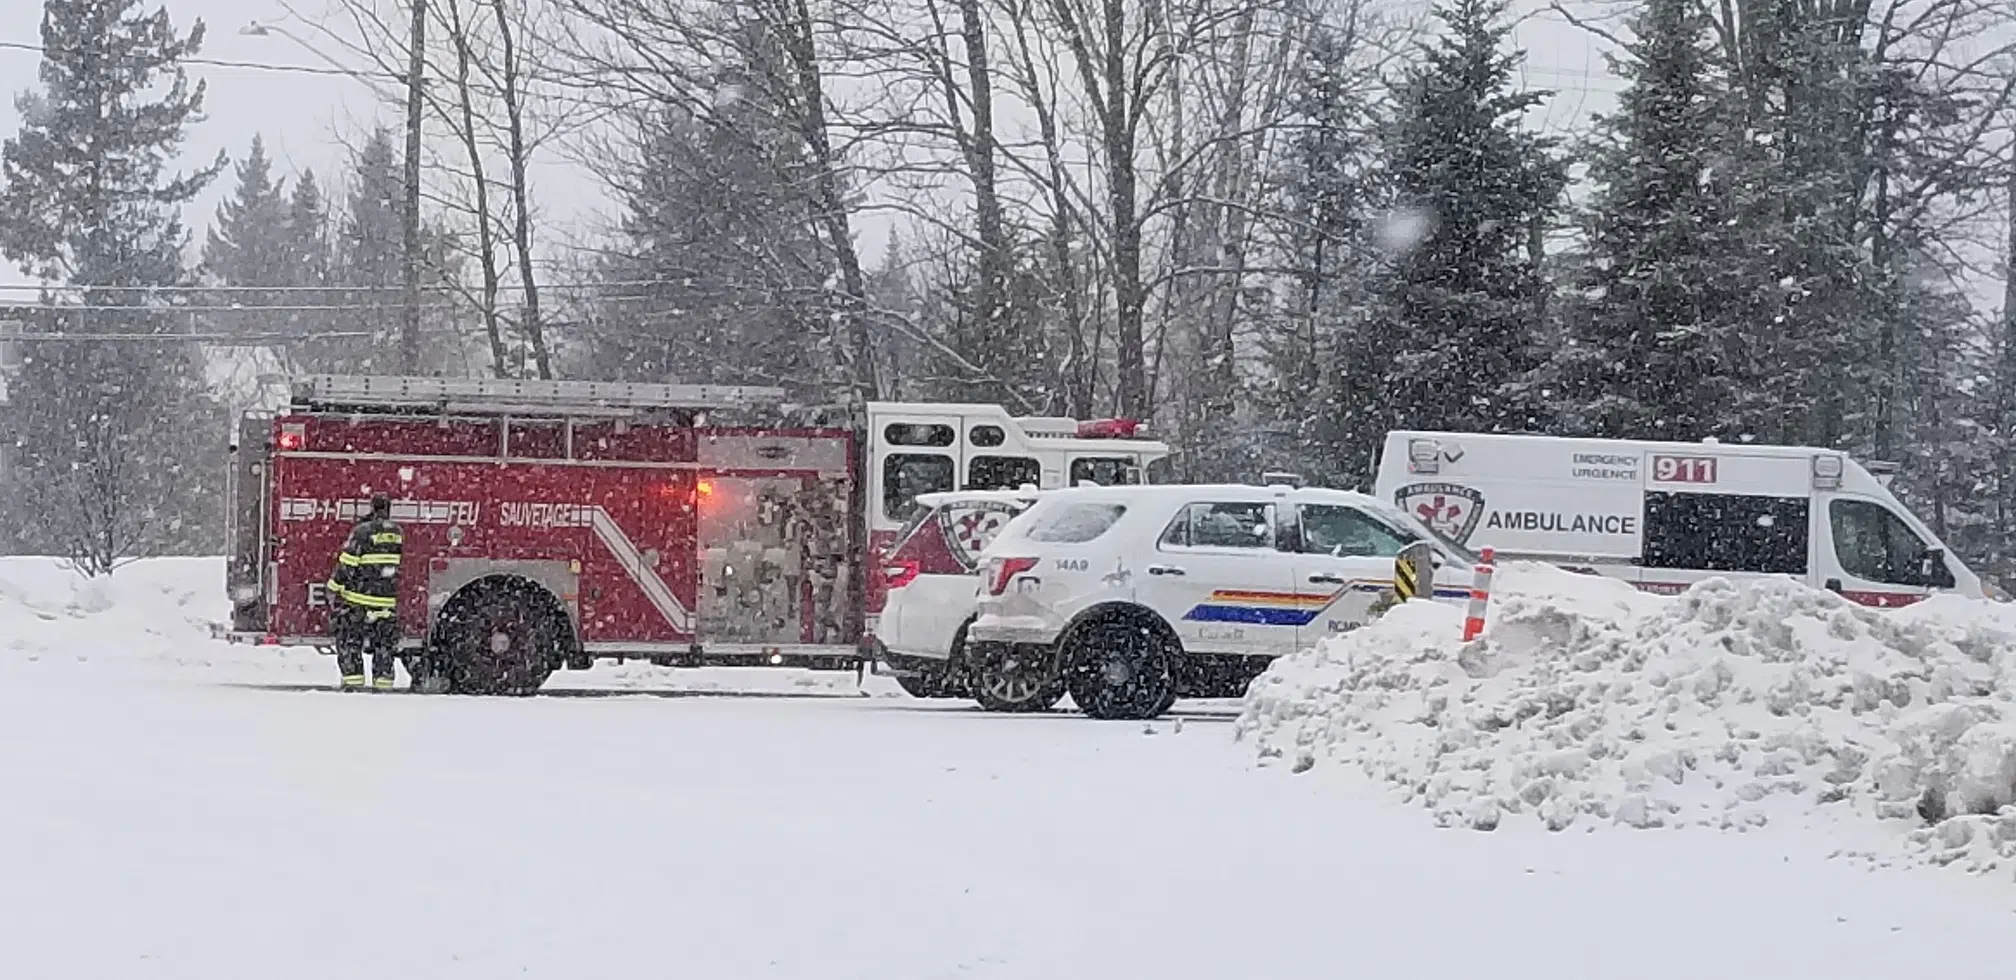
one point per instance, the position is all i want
(1130, 597)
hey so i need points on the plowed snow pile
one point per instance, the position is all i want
(1731, 705)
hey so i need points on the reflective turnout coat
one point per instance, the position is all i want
(367, 570)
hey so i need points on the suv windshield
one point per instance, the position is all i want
(1414, 530)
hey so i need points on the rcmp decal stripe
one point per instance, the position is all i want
(1262, 608)
(654, 588)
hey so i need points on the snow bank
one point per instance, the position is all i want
(1732, 704)
(48, 608)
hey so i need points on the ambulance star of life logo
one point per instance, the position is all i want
(1450, 510)
(971, 529)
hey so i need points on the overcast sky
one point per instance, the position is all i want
(310, 120)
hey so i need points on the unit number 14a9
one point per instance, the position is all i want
(1683, 469)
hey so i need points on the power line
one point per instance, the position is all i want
(165, 338)
(224, 63)
(214, 308)
(61, 288)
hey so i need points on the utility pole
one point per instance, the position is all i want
(409, 333)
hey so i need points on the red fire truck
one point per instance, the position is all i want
(554, 523)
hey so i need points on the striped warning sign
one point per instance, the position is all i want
(1410, 568)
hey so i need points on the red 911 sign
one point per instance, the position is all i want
(1683, 469)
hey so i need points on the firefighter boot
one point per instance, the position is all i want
(353, 682)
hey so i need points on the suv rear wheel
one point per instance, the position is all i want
(1121, 665)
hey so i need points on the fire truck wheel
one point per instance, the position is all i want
(500, 637)
(1121, 665)
(1013, 680)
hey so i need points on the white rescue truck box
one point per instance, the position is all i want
(1663, 515)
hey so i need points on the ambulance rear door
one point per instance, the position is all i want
(912, 450)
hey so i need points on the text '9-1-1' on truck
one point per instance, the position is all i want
(551, 524)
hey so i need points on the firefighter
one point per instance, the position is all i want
(364, 598)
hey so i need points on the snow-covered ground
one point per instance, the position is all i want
(175, 807)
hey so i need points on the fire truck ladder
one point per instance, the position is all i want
(510, 396)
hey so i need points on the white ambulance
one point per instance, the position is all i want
(1663, 515)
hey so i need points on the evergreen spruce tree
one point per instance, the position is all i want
(118, 439)
(1323, 398)
(1652, 349)
(717, 221)
(306, 253)
(367, 272)
(370, 247)
(246, 242)
(1461, 307)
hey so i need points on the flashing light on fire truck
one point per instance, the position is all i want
(538, 515)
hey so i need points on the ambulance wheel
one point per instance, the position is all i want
(1006, 679)
(947, 679)
(1121, 665)
(930, 685)
(499, 638)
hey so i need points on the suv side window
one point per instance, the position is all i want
(1347, 532)
(1877, 546)
(1222, 525)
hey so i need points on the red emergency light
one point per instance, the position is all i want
(1109, 428)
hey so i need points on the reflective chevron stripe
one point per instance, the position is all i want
(654, 588)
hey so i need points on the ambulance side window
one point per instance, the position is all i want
(1104, 471)
(1002, 472)
(1876, 545)
(1717, 532)
(919, 434)
(905, 475)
